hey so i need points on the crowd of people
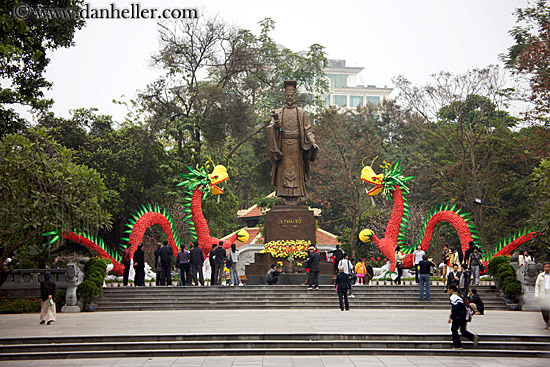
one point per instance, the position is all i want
(188, 263)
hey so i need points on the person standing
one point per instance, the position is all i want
(314, 264)
(197, 259)
(126, 259)
(370, 273)
(542, 293)
(182, 262)
(54, 263)
(418, 253)
(424, 270)
(338, 255)
(399, 257)
(458, 319)
(234, 273)
(446, 257)
(468, 252)
(139, 266)
(453, 277)
(220, 256)
(158, 266)
(360, 271)
(47, 294)
(342, 286)
(166, 255)
(464, 281)
(212, 261)
(474, 262)
(272, 276)
(348, 269)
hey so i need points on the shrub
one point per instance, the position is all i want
(504, 267)
(512, 289)
(60, 298)
(20, 305)
(87, 291)
(505, 274)
(495, 262)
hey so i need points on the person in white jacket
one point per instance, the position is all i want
(542, 293)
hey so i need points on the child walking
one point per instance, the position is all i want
(360, 271)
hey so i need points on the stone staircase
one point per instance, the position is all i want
(271, 297)
(123, 346)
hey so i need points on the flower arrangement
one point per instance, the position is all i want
(300, 263)
(293, 249)
(279, 263)
(376, 262)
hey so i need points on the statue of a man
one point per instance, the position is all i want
(291, 147)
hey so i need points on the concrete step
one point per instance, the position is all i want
(121, 346)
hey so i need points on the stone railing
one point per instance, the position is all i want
(527, 275)
(26, 282)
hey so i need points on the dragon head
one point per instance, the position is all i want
(368, 175)
(207, 183)
(218, 175)
(385, 181)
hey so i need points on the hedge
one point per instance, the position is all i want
(500, 267)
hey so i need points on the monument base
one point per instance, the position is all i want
(290, 222)
(289, 279)
(70, 309)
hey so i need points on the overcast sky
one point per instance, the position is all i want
(415, 38)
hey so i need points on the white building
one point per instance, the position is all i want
(344, 90)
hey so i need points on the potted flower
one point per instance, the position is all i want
(243, 279)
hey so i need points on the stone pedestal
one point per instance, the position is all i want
(290, 222)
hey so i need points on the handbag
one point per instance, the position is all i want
(399, 265)
(228, 262)
(482, 267)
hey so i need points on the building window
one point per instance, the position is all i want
(356, 101)
(340, 101)
(327, 100)
(338, 80)
(373, 100)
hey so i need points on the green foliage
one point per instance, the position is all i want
(495, 263)
(20, 305)
(42, 253)
(43, 189)
(60, 299)
(94, 276)
(540, 198)
(512, 288)
(24, 45)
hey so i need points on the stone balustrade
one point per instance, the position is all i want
(26, 282)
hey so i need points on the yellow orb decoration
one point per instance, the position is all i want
(242, 235)
(365, 235)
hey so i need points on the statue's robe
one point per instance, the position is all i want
(291, 149)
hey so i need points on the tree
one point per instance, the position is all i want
(541, 205)
(530, 56)
(42, 189)
(24, 44)
(463, 118)
(345, 139)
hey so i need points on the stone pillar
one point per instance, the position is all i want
(74, 278)
(530, 273)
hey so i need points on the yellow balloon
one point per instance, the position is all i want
(365, 235)
(242, 235)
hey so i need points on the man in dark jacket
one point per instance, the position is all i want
(212, 259)
(370, 273)
(158, 266)
(338, 255)
(313, 262)
(197, 259)
(342, 286)
(453, 277)
(220, 260)
(139, 266)
(126, 259)
(166, 255)
(272, 276)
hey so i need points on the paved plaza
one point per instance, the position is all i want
(272, 322)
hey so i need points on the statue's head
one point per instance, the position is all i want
(290, 92)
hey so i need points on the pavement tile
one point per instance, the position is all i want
(516, 362)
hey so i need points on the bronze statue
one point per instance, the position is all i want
(291, 147)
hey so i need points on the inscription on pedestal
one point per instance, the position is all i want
(290, 223)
